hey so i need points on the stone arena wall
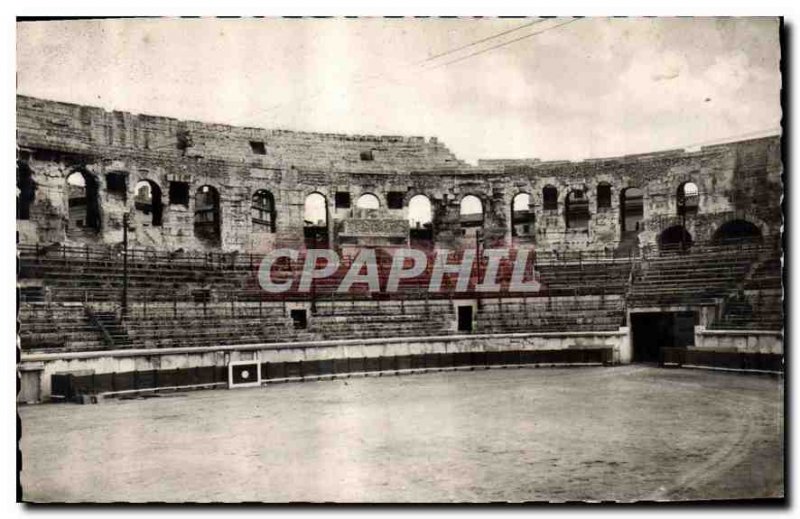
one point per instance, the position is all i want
(42, 366)
(740, 180)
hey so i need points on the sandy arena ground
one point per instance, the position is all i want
(623, 433)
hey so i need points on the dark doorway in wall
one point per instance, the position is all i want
(631, 209)
(262, 211)
(549, 198)
(258, 148)
(394, 199)
(737, 232)
(299, 318)
(26, 192)
(653, 331)
(603, 196)
(674, 238)
(576, 210)
(342, 200)
(179, 193)
(206, 215)
(117, 184)
(465, 318)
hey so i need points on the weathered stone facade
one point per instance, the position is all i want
(115, 151)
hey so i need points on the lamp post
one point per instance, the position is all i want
(683, 228)
(478, 243)
(124, 303)
(682, 212)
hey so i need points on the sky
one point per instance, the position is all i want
(554, 89)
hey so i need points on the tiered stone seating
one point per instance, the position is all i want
(192, 299)
(767, 276)
(759, 305)
(755, 310)
(552, 315)
(592, 277)
(57, 327)
(96, 275)
(697, 277)
(83, 274)
(193, 324)
(411, 318)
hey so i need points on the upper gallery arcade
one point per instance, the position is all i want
(196, 186)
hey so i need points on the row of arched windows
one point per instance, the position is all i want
(732, 232)
(315, 209)
(576, 207)
(84, 210)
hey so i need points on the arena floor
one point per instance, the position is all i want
(622, 433)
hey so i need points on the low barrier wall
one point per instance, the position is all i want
(745, 341)
(722, 359)
(120, 370)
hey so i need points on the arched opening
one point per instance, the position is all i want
(735, 232)
(262, 211)
(603, 195)
(688, 198)
(471, 211)
(576, 210)
(315, 221)
(147, 201)
(631, 209)
(522, 218)
(84, 208)
(674, 238)
(368, 201)
(420, 219)
(206, 214)
(549, 198)
(26, 191)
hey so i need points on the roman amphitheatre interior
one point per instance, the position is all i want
(658, 323)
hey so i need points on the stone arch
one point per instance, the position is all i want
(576, 209)
(687, 198)
(368, 201)
(315, 221)
(83, 201)
(207, 219)
(148, 201)
(262, 211)
(471, 211)
(675, 237)
(523, 219)
(420, 218)
(737, 231)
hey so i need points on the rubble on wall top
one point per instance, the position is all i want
(433, 157)
(200, 125)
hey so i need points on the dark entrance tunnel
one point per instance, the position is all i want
(653, 331)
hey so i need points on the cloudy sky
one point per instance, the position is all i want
(489, 88)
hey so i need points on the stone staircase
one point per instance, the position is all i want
(112, 329)
(628, 243)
